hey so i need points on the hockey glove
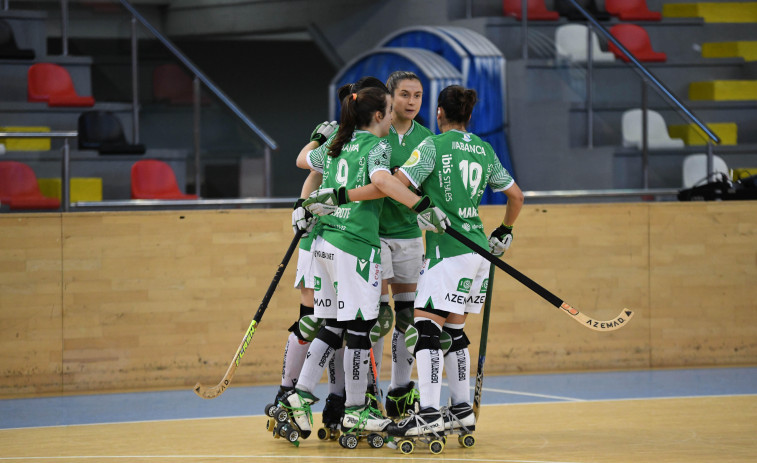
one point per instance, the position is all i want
(429, 217)
(326, 200)
(500, 239)
(323, 131)
(302, 219)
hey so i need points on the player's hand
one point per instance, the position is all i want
(302, 219)
(323, 131)
(326, 200)
(500, 239)
(430, 218)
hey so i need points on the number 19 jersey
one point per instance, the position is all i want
(453, 169)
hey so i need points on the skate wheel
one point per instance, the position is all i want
(375, 440)
(466, 440)
(277, 430)
(341, 441)
(335, 433)
(350, 441)
(281, 415)
(436, 446)
(270, 424)
(292, 435)
(406, 446)
(283, 430)
(324, 434)
(444, 440)
(270, 408)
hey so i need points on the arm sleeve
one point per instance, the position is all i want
(421, 162)
(379, 157)
(500, 180)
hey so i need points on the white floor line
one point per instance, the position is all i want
(270, 457)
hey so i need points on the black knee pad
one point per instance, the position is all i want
(459, 340)
(424, 334)
(331, 339)
(358, 333)
(295, 328)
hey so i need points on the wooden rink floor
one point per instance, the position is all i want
(682, 415)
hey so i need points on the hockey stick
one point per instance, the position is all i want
(482, 345)
(584, 320)
(375, 386)
(211, 392)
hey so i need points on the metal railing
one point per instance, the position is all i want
(65, 196)
(648, 78)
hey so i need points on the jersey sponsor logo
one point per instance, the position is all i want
(362, 263)
(414, 158)
(342, 213)
(323, 255)
(447, 177)
(322, 302)
(478, 149)
(316, 283)
(464, 285)
(467, 212)
(350, 148)
(485, 286)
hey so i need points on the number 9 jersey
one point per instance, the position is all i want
(453, 169)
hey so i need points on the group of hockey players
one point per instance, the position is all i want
(377, 179)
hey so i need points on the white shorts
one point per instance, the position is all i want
(454, 284)
(401, 259)
(304, 276)
(346, 288)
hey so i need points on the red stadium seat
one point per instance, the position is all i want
(19, 188)
(172, 84)
(152, 179)
(537, 10)
(631, 10)
(636, 40)
(52, 84)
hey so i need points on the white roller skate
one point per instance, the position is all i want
(459, 419)
(426, 426)
(363, 422)
(293, 416)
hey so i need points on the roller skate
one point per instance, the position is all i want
(269, 408)
(333, 411)
(400, 400)
(425, 426)
(459, 419)
(363, 422)
(293, 416)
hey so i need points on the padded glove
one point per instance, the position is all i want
(500, 239)
(325, 201)
(302, 219)
(430, 218)
(323, 131)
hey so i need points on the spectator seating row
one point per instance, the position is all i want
(8, 47)
(571, 39)
(20, 190)
(625, 10)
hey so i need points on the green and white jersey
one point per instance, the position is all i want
(397, 220)
(353, 228)
(453, 169)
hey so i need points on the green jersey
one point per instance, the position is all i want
(397, 220)
(453, 169)
(353, 228)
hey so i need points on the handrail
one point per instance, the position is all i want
(641, 68)
(197, 72)
(65, 197)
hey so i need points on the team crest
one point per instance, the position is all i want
(466, 137)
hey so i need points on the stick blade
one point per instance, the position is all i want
(599, 325)
(209, 392)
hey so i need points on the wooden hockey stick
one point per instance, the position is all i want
(482, 345)
(211, 392)
(586, 321)
(374, 385)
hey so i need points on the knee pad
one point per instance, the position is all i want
(359, 333)
(307, 326)
(424, 334)
(404, 317)
(331, 338)
(454, 338)
(385, 320)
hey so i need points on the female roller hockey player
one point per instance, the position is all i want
(452, 169)
(401, 242)
(347, 258)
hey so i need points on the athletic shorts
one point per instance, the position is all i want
(346, 288)
(401, 259)
(304, 276)
(454, 284)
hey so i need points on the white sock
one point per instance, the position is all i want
(430, 368)
(315, 362)
(457, 365)
(402, 361)
(294, 357)
(336, 373)
(355, 376)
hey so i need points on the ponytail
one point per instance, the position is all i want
(458, 103)
(358, 109)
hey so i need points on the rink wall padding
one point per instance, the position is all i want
(106, 301)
